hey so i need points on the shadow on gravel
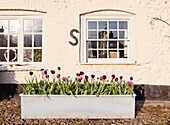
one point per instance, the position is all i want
(140, 98)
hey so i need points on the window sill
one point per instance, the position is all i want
(18, 68)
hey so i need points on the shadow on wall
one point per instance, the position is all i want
(8, 86)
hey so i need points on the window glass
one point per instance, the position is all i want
(112, 24)
(37, 25)
(92, 24)
(3, 40)
(28, 25)
(37, 40)
(14, 26)
(27, 55)
(37, 55)
(13, 40)
(123, 25)
(3, 26)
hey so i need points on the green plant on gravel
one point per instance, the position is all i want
(79, 86)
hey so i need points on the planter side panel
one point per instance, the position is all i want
(77, 107)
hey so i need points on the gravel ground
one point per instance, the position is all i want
(149, 114)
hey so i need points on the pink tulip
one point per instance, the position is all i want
(116, 79)
(80, 77)
(64, 79)
(129, 83)
(101, 78)
(58, 75)
(47, 76)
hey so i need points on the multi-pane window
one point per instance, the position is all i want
(107, 39)
(32, 41)
(9, 40)
(21, 41)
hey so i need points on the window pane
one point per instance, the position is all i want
(92, 34)
(113, 35)
(37, 55)
(3, 26)
(112, 44)
(14, 26)
(92, 44)
(102, 53)
(123, 25)
(3, 40)
(121, 34)
(13, 55)
(102, 24)
(13, 40)
(37, 25)
(92, 54)
(27, 55)
(37, 40)
(102, 44)
(112, 24)
(102, 34)
(27, 40)
(122, 44)
(28, 25)
(3, 55)
(123, 54)
(112, 53)
(92, 24)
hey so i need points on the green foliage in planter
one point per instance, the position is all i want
(79, 86)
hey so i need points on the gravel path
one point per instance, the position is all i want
(155, 114)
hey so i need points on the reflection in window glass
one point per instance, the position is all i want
(2, 55)
(122, 54)
(27, 55)
(37, 25)
(14, 26)
(113, 35)
(37, 55)
(3, 40)
(102, 24)
(121, 44)
(92, 44)
(3, 26)
(37, 40)
(112, 44)
(112, 24)
(102, 53)
(121, 34)
(27, 40)
(112, 53)
(13, 40)
(102, 44)
(13, 55)
(102, 34)
(28, 25)
(92, 24)
(92, 54)
(123, 25)
(92, 34)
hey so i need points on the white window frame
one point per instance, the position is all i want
(108, 15)
(21, 16)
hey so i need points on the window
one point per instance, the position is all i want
(21, 40)
(107, 38)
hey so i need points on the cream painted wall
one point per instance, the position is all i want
(152, 38)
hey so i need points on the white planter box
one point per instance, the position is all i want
(79, 106)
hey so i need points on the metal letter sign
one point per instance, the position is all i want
(74, 37)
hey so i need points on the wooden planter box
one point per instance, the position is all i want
(79, 106)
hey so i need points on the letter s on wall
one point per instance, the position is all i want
(74, 37)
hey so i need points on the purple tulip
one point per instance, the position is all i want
(80, 77)
(116, 79)
(131, 78)
(64, 79)
(77, 74)
(52, 72)
(101, 78)
(130, 83)
(79, 80)
(59, 68)
(45, 72)
(47, 76)
(86, 77)
(104, 77)
(58, 75)
(81, 73)
(113, 76)
(92, 76)
(31, 73)
(42, 69)
(121, 77)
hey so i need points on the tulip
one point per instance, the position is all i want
(81, 73)
(130, 83)
(45, 72)
(47, 76)
(101, 78)
(113, 76)
(64, 79)
(131, 78)
(58, 75)
(116, 79)
(80, 77)
(104, 77)
(31, 73)
(59, 68)
(121, 77)
(42, 69)
(52, 72)
(92, 76)
(77, 74)
(42, 72)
